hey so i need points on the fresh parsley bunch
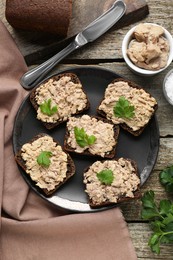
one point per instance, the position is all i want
(161, 218)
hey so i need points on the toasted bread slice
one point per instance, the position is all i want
(66, 94)
(144, 104)
(47, 179)
(125, 183)
(105, 132)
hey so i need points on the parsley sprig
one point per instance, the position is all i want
(161, 218)
(47, 109)
(166, 178)
(105, 176)
(82, 138)
(123, 108)
(44, 158)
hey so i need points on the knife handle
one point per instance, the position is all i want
(35, 75)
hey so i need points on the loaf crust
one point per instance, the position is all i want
(44, 16)
(70, 166)
(124, 125)
(75, 80)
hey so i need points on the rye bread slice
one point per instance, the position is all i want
(70, 166)
(74, 79)
(124, 125)
(122, 198)
(109, 155)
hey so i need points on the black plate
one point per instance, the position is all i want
(142, 149)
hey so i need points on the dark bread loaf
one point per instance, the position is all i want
(86, 151)
(101, 194)
(70, 166)
(143, 101)
(45, 16)
(74, 79)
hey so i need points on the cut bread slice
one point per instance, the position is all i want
(53, 171)
(105, 134)
(143, 103)
(56, 99)
(112, 181)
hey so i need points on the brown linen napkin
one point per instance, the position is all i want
(30, 227)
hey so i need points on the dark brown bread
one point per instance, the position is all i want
(44, 16)
(75, 80)
(109, 155)
(124, 125)
(137, 193)
(70, 166)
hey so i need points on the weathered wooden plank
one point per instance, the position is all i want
(107, 47)
(83, 13)
(140, 233)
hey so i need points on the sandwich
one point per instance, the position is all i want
(45, 162)
(58, 98)
(91, 135)
(111, 181)
(128, 105)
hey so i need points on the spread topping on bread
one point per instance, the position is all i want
(125, 181)
(68, 97)
(144, 104)
(102, 131)
(55, 172)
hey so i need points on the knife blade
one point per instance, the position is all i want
(93, 31)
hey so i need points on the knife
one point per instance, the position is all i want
(93, 31)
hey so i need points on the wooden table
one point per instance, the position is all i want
(106, 53)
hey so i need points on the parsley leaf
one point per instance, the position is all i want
(105, 176)
(46, 108)
(82, 138)
(43, 158)
(166, 178)
(161, 219)
(123, 108)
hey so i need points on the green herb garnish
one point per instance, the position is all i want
(43, 158)
(82, 138)
(161, 218)
(166, 178)
(123, 108)
(46, 108)
(105, 176)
